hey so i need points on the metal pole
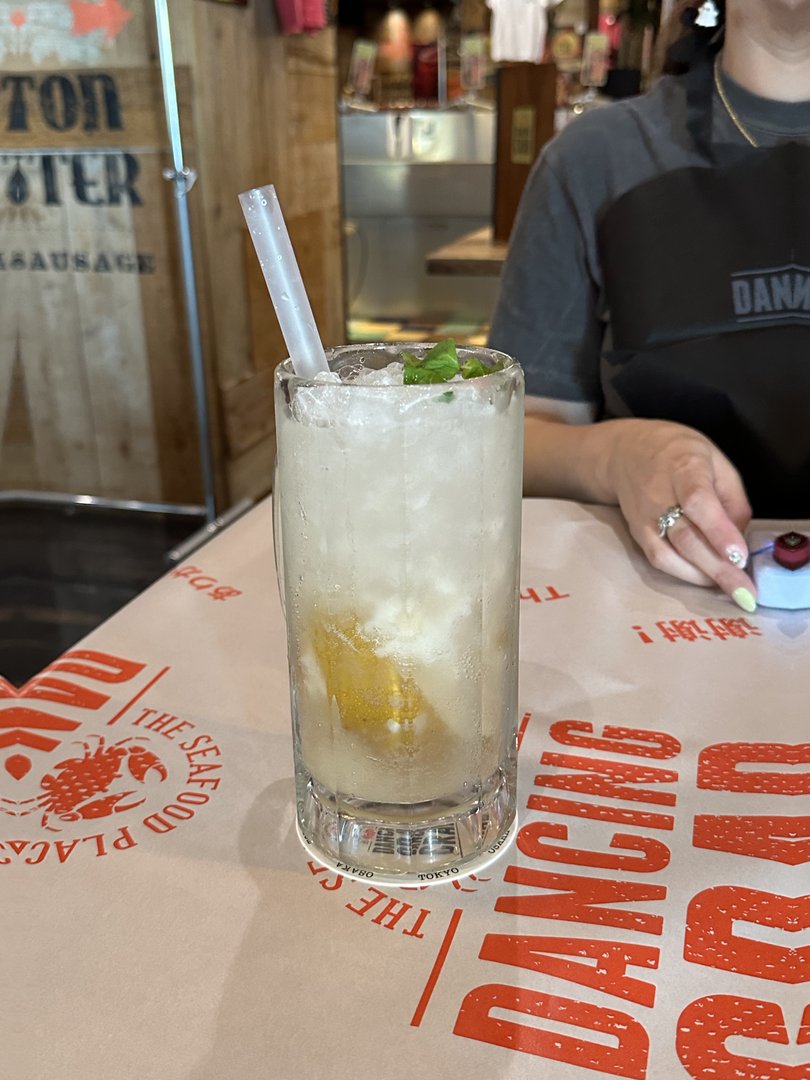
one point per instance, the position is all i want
(183, 179)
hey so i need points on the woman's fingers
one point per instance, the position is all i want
(664, 556)
(655, 465)
(731, 493)
(692, 547)
(703, 545)
(713, 542)
(714, 504)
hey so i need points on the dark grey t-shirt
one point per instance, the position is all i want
(551, 313)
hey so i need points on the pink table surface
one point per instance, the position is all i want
(161, 920)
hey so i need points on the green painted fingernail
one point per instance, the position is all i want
(744, 598)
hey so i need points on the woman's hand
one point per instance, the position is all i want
(653, 465)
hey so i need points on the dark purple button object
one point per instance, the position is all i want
(792, 550)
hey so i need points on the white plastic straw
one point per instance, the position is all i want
(268, 231)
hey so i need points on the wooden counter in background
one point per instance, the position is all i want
(475, 254)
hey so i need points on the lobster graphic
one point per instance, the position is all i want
(79, 787)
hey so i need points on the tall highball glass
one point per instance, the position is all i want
(397, 519)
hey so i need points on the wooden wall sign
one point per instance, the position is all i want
(95, 386)
(526, 100)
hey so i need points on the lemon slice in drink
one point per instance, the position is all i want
(374, 698)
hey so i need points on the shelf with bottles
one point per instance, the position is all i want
(410, 54)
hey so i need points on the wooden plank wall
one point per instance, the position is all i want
(95, 382)
(94, 378)
(265, 112)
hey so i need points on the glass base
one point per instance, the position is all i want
(422, 844)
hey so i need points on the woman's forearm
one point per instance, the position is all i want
(569, 461)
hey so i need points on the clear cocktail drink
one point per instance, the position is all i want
(398, 518)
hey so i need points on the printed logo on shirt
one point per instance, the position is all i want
(765, 295)
(86, 766)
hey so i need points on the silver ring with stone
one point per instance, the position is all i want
(668, 519)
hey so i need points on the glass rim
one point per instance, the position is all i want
(284, 371)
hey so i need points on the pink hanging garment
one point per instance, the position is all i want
(314, 15)
(290, 16)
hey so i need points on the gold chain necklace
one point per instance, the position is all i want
(738, 124)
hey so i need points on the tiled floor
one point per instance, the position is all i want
(62, 572)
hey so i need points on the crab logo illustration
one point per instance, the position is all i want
(85, 788)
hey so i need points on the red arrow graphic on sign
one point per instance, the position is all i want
(107, 15)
